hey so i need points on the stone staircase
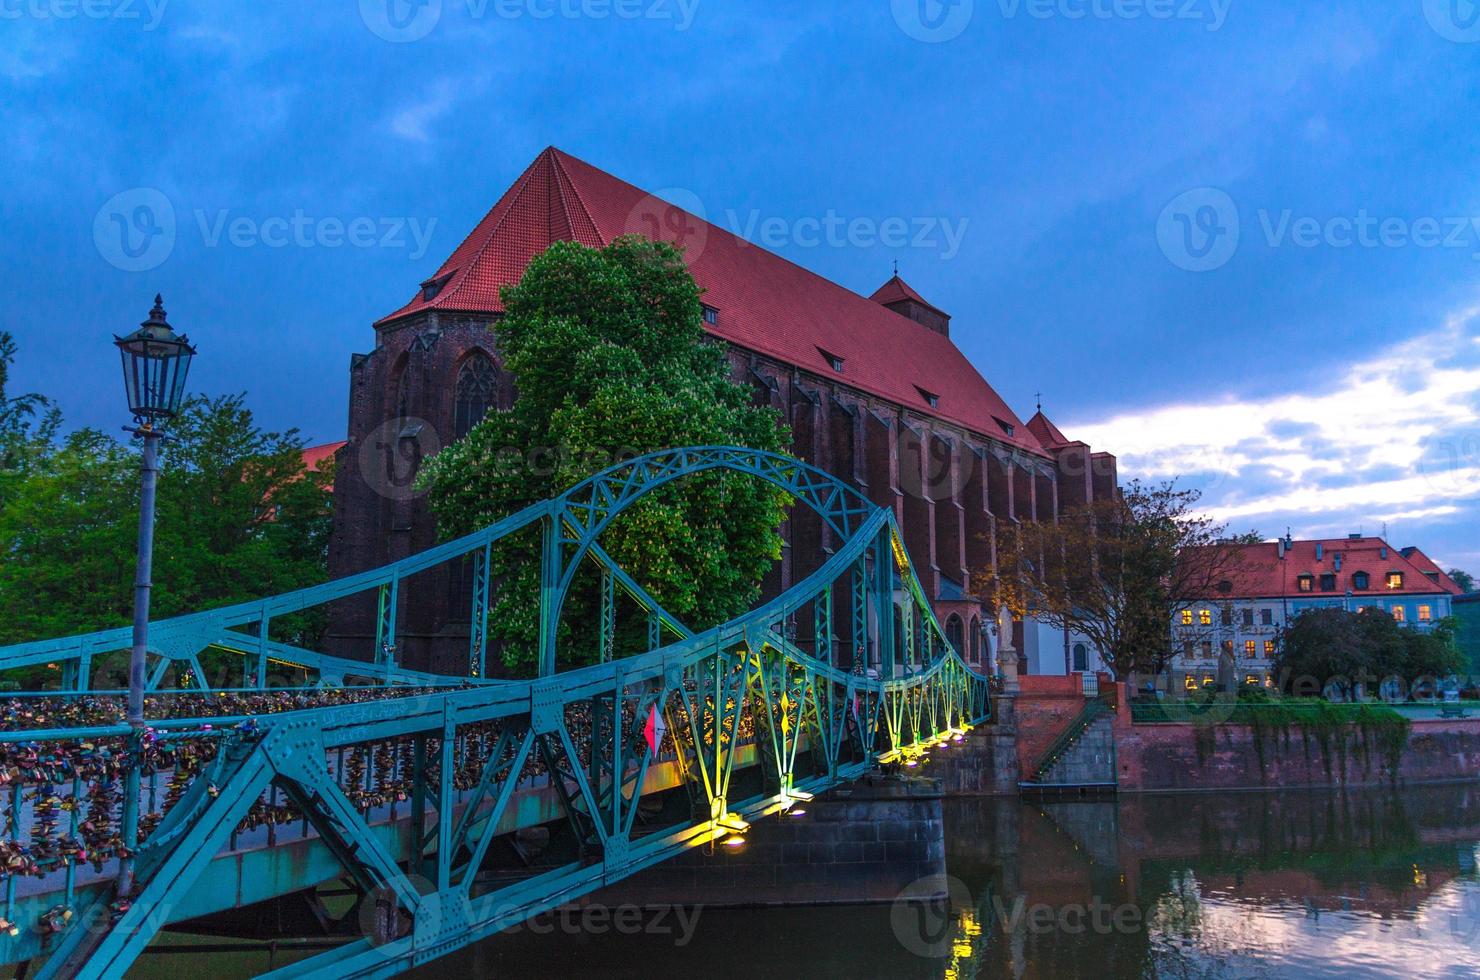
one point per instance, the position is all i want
(1080, 761)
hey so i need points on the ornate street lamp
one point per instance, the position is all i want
(156, 361)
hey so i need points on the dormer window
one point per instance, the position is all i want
(1007, 427)
(1395, 580)
(1361, 581)
(433, 286)
(1328, 582)
(834, 361)
(711, 315)
(931, 398)
(1306, 583)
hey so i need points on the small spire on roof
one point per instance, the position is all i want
(1039, 395)
(896, 267)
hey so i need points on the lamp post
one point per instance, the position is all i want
(156, 361)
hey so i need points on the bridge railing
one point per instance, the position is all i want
(446, 757)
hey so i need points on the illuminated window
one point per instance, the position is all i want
(1251, 648)
(1187, 617)
(1209, 680)
(1400, 614)
(1305, 583)
(1395, 580)
(1190, 683)
(1425, 614)
(1269, 648)
(1205, 616)
(1252, 680)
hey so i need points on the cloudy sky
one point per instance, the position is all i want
(1236, 240)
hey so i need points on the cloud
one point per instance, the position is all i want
(412, 122)
(1391, 438)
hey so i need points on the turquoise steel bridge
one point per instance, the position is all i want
(400, 783)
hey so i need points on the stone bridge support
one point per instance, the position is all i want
(859, 844)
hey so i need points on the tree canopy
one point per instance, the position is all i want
(238, 516)
(609, 355)
(1115, 571)
(1322, 646)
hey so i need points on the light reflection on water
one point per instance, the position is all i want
(1370, 884)
(1280, 885)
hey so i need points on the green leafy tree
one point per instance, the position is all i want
(609, 355)
(1325, 645)
(238, 517)
(28, 422)
(1463, 579)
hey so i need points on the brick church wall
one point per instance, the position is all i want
(948, 487)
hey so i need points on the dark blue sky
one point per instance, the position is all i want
(1320, 369)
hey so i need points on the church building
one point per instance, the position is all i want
(873, 388)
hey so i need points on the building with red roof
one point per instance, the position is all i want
(1275, 581)
(316, 457)
(873, 388)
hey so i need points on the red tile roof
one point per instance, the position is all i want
(315, 456)
(1263, 574)
(766, 304)
(1046, 432)
(896, 290)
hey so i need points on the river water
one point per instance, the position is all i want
(1307, 884)
(1270, 885)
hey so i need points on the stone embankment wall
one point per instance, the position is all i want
(1183, 756)
(1178, 757)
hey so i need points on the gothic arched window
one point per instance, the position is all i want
(955, 631)
(477, 389)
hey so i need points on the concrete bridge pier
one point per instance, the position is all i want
(985, 763)
(858, 844)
